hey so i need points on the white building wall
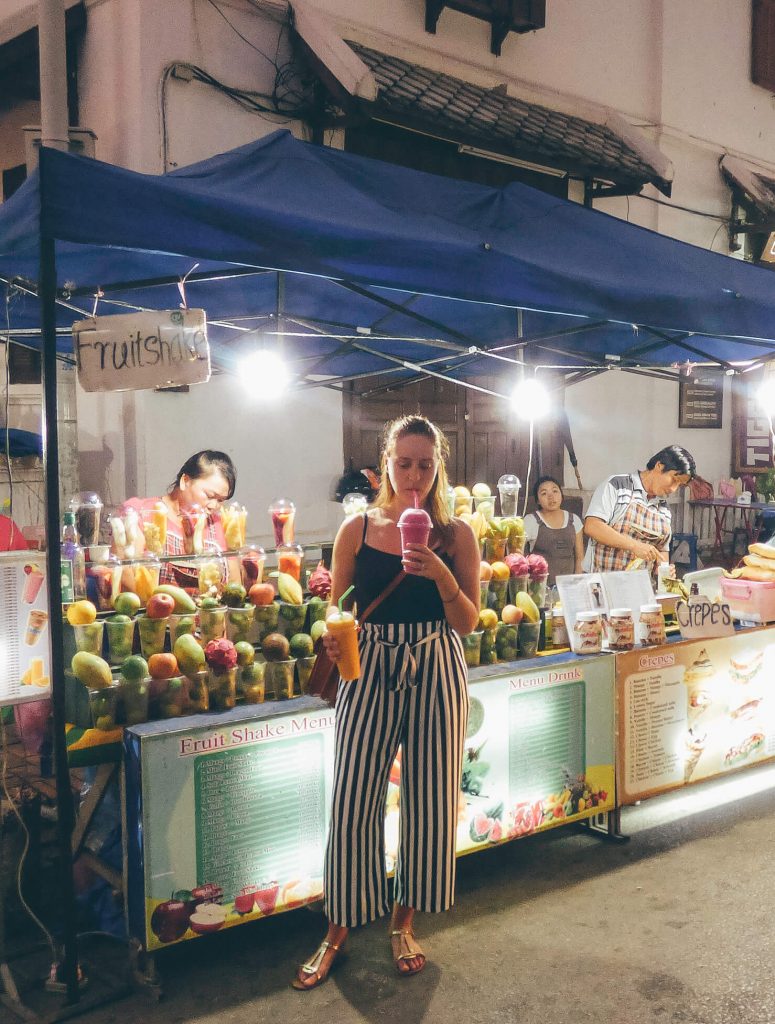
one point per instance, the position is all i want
(679, 70)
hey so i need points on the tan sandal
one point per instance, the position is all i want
(403, 939)
(312, 968)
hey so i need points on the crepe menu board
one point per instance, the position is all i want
(693, 710)
(227, 815)
(24, 643)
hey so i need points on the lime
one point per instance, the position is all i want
(119, 618)
(127, 604)
(300, 645)
(210, 602)
(246, 655)
(317, 629)
(134, 668)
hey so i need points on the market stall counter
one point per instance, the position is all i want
(226, 814)
(693, 709)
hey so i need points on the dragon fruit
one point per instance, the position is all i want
(537, 566)
(518, 564)
(320, 582)
(221, 655)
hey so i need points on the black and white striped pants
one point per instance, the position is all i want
(412, 693)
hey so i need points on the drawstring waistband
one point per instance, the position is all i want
(398, 648)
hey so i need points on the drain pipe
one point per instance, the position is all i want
(53, 74)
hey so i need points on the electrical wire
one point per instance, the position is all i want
(529, 465)
(686, 209)
(20, 867)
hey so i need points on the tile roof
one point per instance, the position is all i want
(472, 114)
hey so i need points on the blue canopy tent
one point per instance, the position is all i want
(360, 263)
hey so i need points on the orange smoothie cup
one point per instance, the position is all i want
(343, 626)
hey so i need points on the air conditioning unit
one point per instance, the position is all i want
(81, 143)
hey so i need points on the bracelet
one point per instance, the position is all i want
(449, 600)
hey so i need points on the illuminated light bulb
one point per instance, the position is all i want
(530, 399)
(765, 396)
(264, 374)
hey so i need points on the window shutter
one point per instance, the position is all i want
(763, 44)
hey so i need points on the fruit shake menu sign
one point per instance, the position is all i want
(692, 710)
(132, 351)
(24, 647)
(227, 815)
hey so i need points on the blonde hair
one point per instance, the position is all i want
(436, 502)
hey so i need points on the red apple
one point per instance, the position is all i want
(244, 901)
(266, 898)
(160, 606)
(169, 920)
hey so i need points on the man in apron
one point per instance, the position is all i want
(628, 516)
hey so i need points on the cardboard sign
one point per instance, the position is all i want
(699, 617)
(132, 351)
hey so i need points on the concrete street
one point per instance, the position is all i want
(675, 926)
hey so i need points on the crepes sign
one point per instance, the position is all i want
(134, 351)
(699, 617)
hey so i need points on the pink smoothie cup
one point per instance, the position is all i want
(415, 525)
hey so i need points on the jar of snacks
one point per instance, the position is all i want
(652, 625)
(621, 629)
(589, 632)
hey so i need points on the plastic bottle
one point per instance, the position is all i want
(73, 562)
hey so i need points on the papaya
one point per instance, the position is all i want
(184, 604)
(524, 601)
(91, 670)
(289, 589)
(190, 656)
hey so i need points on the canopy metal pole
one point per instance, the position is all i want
(65, 815)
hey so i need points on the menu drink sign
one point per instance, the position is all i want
(692, 710)
(24, 647)
(227, 815)
(131, 351)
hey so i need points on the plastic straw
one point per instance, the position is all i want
(416, 498)
(344, 595)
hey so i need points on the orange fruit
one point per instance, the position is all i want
(163, 666)
(81, 613)
(500, 571)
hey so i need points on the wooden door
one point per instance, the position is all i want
(486, 439)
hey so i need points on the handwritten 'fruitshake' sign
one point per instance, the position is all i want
(132, 351)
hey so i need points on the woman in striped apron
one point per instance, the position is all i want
(628, 516)
(412, 694)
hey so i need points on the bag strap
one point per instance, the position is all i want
(381, 597)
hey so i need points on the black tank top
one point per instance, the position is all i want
(415, 599)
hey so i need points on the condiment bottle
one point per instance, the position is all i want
(559, 629)
(621, 629)
(652, 625)
(589, 630)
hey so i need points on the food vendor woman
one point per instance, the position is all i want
(628, 516)
(554, 533)
(204, 481)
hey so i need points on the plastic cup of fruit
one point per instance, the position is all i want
(316, 612)
(290, 560)
(472, 648)
(251, 683)
(121, 636)
(488, 655)
(515, 543)
(198, 694)
(251, 559)
(529, 633)
(103, 707)
(180, 624)
(152, 635)
(172, 700)
(536, 587)
(291, 618)
(506, 642)
(494, 549)
(89, 637)
(485, 504)
(266, 617)
(212, 624)
(278, 677)
(222, 684)
(517, 585)
(134, 698)
(484, 590)
(239, 622)
(497, 595)
(304, 668)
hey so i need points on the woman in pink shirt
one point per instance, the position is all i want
(205, 480)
